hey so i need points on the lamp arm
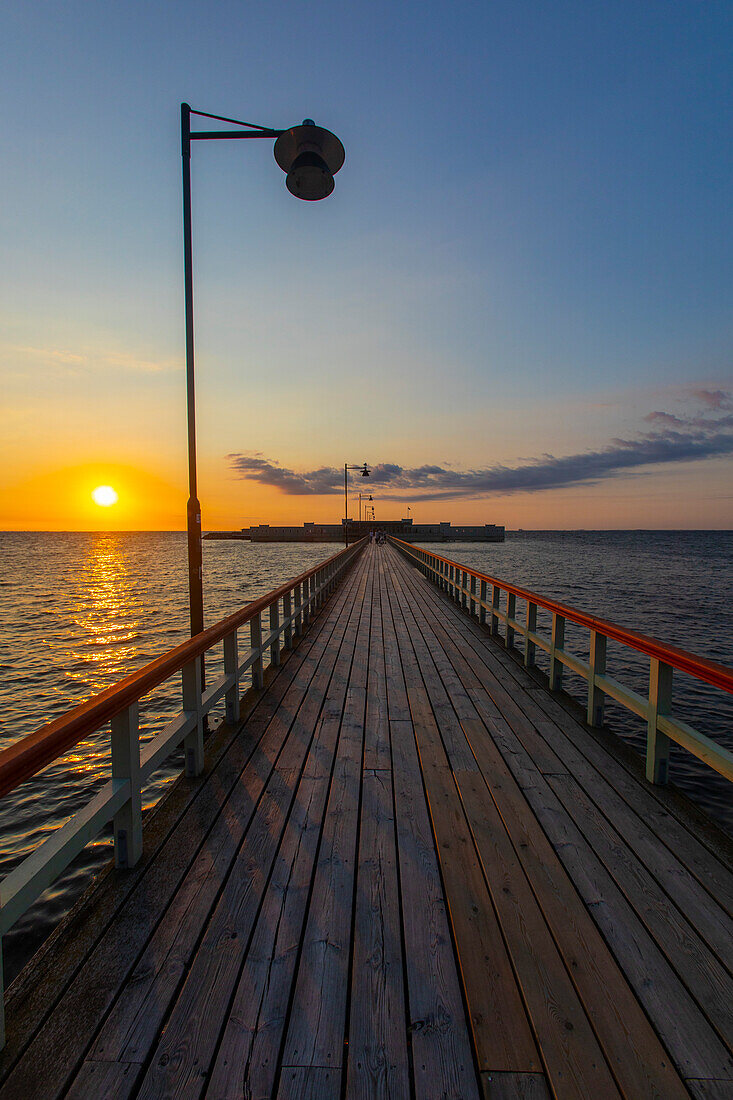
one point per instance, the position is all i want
(212, 135)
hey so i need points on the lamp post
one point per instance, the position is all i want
(366, 498)
(365, 471)
(310, 156)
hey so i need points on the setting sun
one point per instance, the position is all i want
(104, 496)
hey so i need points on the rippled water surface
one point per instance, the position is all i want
(80, 611)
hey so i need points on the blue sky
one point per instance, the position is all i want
(527, 251)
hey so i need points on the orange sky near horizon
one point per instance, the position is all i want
(61, 500)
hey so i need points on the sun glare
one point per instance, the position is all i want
(104, 496)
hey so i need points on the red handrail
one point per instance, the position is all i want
(710, 671)
(37, 750)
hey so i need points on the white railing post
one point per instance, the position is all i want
(597, 667)
(660, 702)
(255, 641)
(275, 625)
(495, 596)
(298, 610)
(288, 616)
(193, 744)
(128, 821)
(231, 668)
(482, 605)
(557, 642)
(529, 646)
(511, 613)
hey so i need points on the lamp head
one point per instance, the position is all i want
(311, 157)
(365, 471)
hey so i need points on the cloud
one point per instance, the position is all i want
(713, 399)
(673, 439)
(84, 362)
(662, 418)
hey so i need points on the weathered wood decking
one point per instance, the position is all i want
(413, 872)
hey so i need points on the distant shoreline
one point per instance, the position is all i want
(509, 531)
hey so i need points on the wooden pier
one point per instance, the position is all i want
(407, 870)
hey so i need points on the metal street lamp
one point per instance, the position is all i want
(366, 498)
(311, 156)
(365, 471)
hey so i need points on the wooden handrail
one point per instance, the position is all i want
(710, 671)
(37, 750)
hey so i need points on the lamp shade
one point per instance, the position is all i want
(311, 156)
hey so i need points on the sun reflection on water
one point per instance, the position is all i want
(105, 614)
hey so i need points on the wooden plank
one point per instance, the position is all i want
(247, 1059)
(397, 702)
(427, 692)
(102, 1079)
(573, 1060)
(504, 702)
(704, 975)
(376, 732)
(309, 1083)
(186, 1048)
(572, 1057)
(316, 1027)
(710, 1090)
(66, 1034)
(693, 1043)
(442, 1058)
(378, 1036)
(655, 805)
(694, 901)
(316, 1024)
(378, 1060)
(514, 1086)
(501, 1031)
(639, 1061)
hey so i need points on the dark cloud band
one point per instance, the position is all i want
(673, 439)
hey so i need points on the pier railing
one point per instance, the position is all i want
(481, 596)
(278, 617)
